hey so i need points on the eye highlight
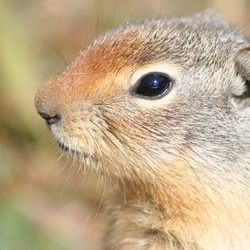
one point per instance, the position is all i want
(153, 85)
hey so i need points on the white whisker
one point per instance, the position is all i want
(102, 199)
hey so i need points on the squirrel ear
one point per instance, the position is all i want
(242, 66)
(210, 15)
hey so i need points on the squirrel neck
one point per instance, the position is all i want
(199, 213)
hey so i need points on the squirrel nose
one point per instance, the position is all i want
(50, 119)
(45, 107)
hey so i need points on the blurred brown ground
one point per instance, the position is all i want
(43, 203)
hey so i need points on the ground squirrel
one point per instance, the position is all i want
(161, 107)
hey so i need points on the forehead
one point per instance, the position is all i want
(184, 41)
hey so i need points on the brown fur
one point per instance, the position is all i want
(181, 161)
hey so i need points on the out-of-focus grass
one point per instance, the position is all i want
(42, 205)
(18, 232)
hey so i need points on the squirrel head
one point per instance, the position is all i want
(156, 100)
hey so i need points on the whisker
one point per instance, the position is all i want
(58, 158)
(80, 167)
(66, 183)
(63, 168)
(84, 174)
(96, 144)
(101, 201)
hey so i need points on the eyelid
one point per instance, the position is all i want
(171, 70)
(149, 73)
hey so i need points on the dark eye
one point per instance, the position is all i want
(153, 85)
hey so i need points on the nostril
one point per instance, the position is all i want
(50, 119)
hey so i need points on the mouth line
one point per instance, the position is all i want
(67, 149)
(82, 156)
(75, 152)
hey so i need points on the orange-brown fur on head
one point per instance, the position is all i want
(183, 158)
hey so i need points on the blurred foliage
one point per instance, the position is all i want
(17, 232)
(44, 205)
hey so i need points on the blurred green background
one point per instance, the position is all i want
(43, 205)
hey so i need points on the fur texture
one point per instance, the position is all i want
(182, 161)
